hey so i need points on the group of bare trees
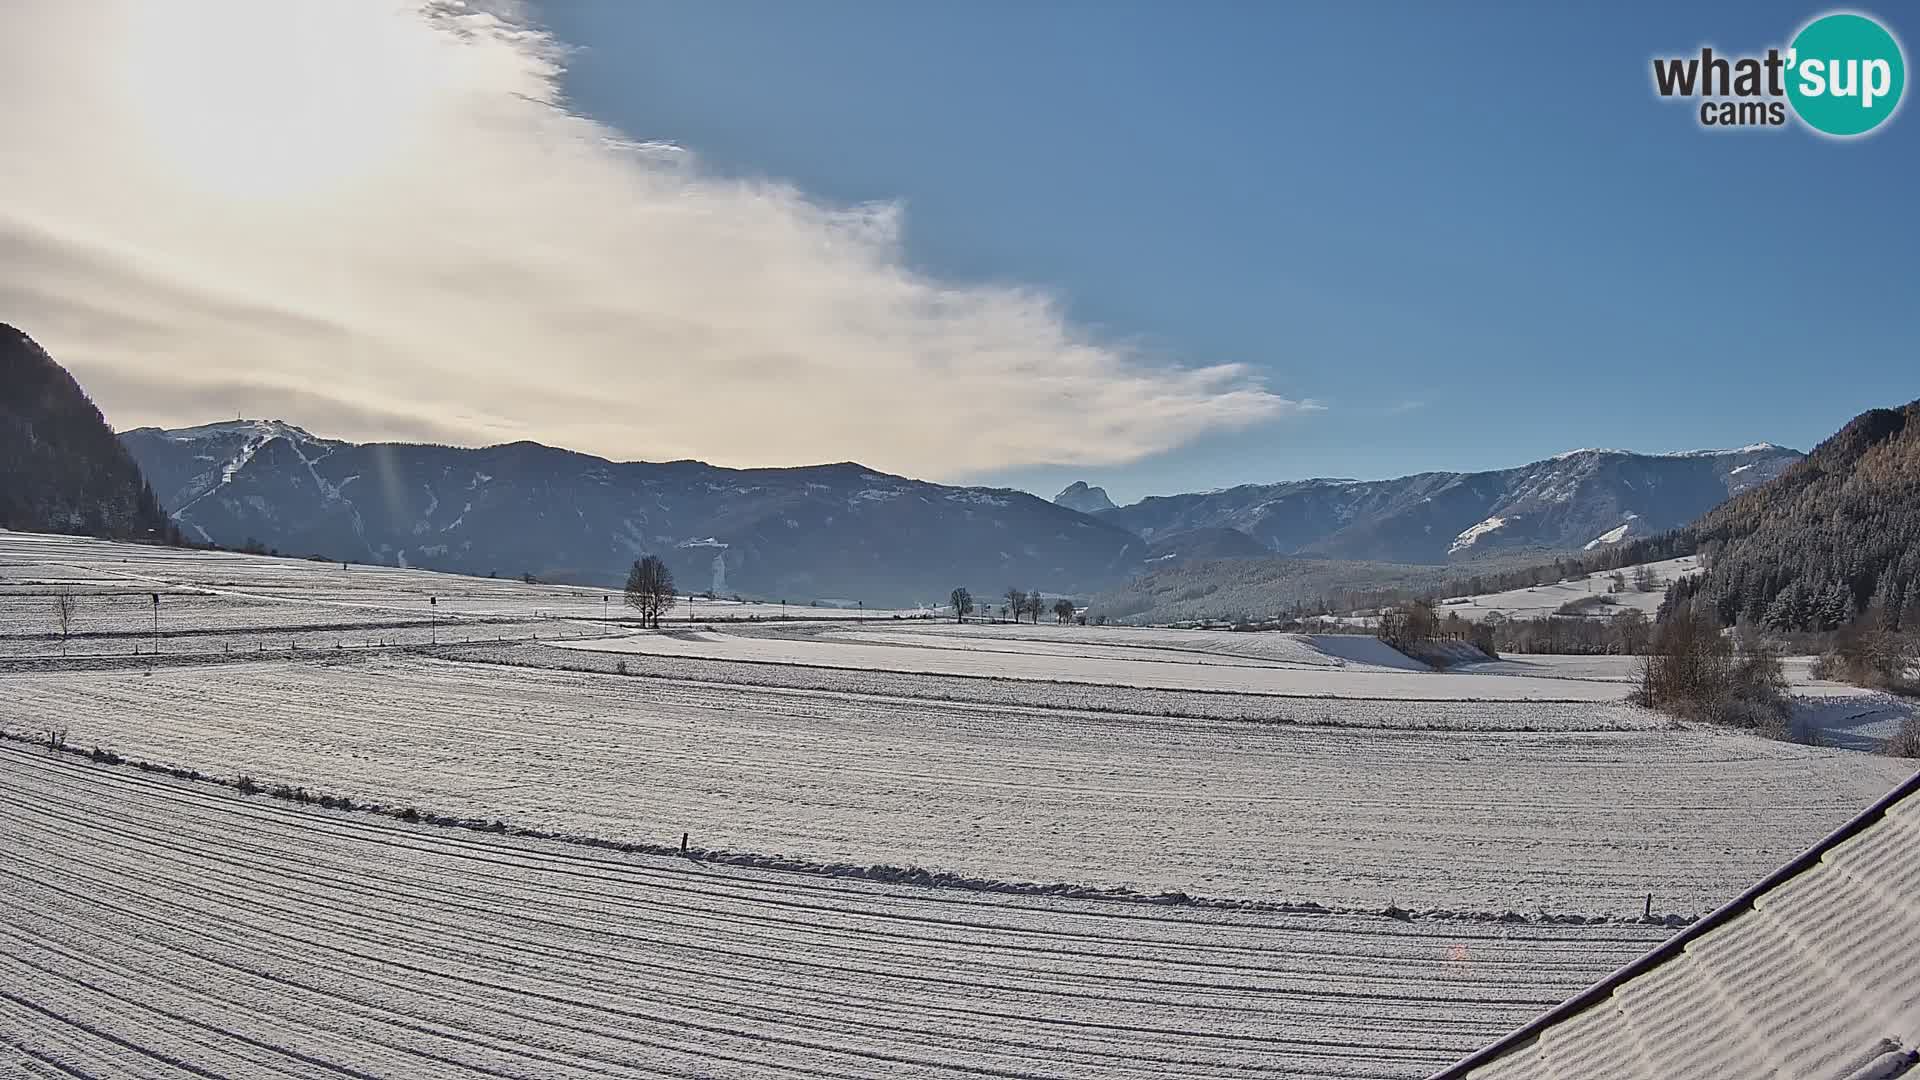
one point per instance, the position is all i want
(1020, 603)
(1033, 605)
(1626, 632)
(1696, 670)
(1409, 626)
(1871, 651)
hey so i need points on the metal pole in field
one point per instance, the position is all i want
(433, 620)
(156, 622)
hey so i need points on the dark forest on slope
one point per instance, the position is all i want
(61, 467)
(1835, 536)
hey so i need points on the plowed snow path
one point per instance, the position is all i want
(157, 928)
(1584, 822)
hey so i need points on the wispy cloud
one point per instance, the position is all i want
(383, 222)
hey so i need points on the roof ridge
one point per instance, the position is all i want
(1675, 945)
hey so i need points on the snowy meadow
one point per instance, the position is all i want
(836, 844)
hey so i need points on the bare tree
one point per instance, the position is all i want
(1016, 603)
(1644, 579)
(1035, 606)
(1063, 611)
(650, 589)
(63, 606)
(962, 602)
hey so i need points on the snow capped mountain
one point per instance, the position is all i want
(827, 530)
(1751, 448)
(1578, 499)
(188, 466)
(844, 530)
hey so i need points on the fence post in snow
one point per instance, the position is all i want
(683, 843)
(1649, 913)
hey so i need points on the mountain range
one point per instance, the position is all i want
(1583, 499)
(824, 532)
(846, 531)
(827, 532)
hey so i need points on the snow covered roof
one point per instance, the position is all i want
(1812, 974)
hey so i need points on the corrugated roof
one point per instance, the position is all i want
(1812, 974)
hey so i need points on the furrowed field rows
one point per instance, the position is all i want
(923, 650)
(1564, 822)
(1449, 714)
(164, 928)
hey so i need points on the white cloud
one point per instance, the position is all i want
(383, 223)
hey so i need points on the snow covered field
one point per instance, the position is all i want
(1143, 643)
(159, 928)
(154, 923)
(1452, 714)
(1546, 599)
(924, 649)
(1583, 822)
(219, 601)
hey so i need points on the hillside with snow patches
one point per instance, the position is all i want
(1591, 590)
(849, 533)
(829, 531)
(1578, 500)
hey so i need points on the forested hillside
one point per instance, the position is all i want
(1835, 536)
(61, 468)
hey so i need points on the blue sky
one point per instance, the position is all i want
(1473, 234)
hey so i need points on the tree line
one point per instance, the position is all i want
(1019, 603)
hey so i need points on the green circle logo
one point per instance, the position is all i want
(1845, 74)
